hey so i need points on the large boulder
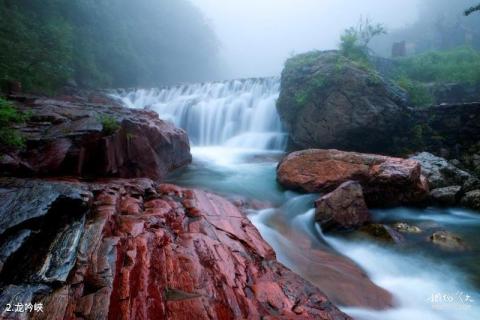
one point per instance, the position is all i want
(94, 139)
(132, 249)
(342, 209)
(386, 181)
(328, 101)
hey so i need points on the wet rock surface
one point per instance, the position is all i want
(386, 181)
(344, 282)
(94, 138)
(406, 228)
(449, 184)
(342, 209)
(132, 249)
(448, 241)
(440, 173)
(382, 232)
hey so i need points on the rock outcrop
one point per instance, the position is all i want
(449, 185)
(448, 241)
(342, 209)
(328, 101)
(386, 181)
(131, 249)
(94, 138)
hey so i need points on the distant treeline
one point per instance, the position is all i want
(103, 43)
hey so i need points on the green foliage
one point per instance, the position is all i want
(110, 124)
(9, 116)
(44, 44)
(461, 65)
(418, 94)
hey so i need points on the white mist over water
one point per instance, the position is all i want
(236, 114)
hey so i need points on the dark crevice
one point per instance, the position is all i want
(25, 264)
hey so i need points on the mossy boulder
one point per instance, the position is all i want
(328, 101)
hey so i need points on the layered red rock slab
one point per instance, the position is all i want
(163, 252)
(94, 138)
(385, 180)
(342, 209)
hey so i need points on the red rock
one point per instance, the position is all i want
(342, 209)
(162, 263)
(69, 137)
(385, 180)
(339, 278)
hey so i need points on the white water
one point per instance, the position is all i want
(237, 113)
(229, 123)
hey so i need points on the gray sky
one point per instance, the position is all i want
(257, 36)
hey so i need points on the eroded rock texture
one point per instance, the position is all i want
(94, 138)
(130, 249)
(385, 180)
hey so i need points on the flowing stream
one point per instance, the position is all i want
(237, 140)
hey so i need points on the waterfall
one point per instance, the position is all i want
(236, 113)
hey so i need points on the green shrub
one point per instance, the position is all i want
(460, 65)
(355, 40)
(418, 94)
(9, 116)
(110, 124)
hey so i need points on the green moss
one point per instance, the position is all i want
(301, 98)
(110, 124)
(302, 60)
(10, 137)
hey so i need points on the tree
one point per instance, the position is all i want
(109, 43)
(472, 10)
(355, 40)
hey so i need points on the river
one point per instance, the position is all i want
(237, 140)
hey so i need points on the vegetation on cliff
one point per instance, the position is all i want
(9, 117)
(460, 65)
(122, 43)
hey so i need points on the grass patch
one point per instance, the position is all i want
(110, 124)
(10, 138)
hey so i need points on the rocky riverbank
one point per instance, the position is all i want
(88, 245)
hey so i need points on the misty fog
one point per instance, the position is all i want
(256, 36)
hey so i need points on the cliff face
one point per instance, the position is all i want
(94, 138)
(131, 249)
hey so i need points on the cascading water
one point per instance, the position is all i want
(237, 113)
(236, 134)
